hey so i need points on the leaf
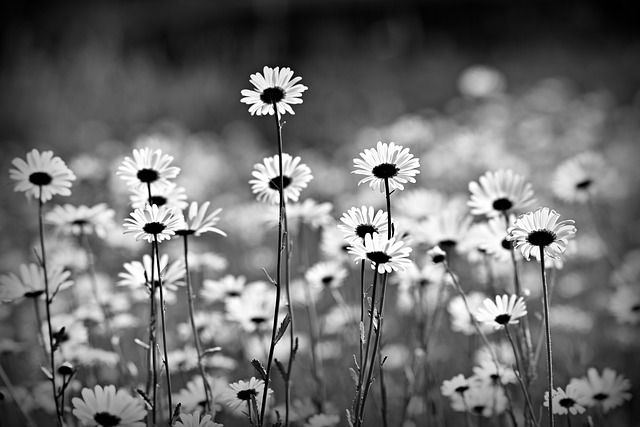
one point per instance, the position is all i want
(282, 329)
(281, 368)
(142, 343)
(211, 350)
(258, 367)
(295, 349)
(362, 338)
(145, 398)
(46, 373)
(349, 416)
(176, 414)
(354, 376)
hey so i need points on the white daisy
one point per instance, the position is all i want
(194, 420)
(42, 175)
(566, 402)
(326, 275)
(169, 195)
(499, 192)
(387, 162)
(358, 222)
(582, 177)
(625, 304)
(148, 167)
(81, 220)
(275, 86)
(153, 223)
(108, 408)
(266, 182)
(386, 255)
(30, 283)
(609, 390)
(229, 286)
(505, 311)
(197, 221)
(239, 394)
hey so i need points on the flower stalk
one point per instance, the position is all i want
(547, 325)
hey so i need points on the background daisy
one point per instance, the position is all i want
(295, 176)
(42, 175)
(389, 162)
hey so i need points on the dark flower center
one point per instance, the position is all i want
(258, 320)
(274, 183)
(447, 245)
(506, 244)
(40, 178)
(326, 280)
(33, 294)
(462, 389)
(378, 257)
(363, 229)
(246, 394)
(106, 419)
(385, 170)
(80, 222)
(600, 396)
(233, 294)
(185, 232)
(147, 175)
(635, 308)
(567, 402)
(503, 319)
(344, 248)
(438, 258)
(478, 409)
(423, 283)
(541, 238)
(158, 200)
(502, 204)
(272, 94)
(154, 228)
(584, 185)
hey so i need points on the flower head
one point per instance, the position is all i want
(194, 420)
(582, 177)
(309, 212)
(499, 192)
(506, 310)
(240, 394)
(540, 230)
(253, 310)
(137, 275)
(609, 390)
(625, 304)
(72, 220)
(326, 275)
(566, 402)
(169, 195)
(457, 384)
(386, 255)
(358, 222)
(198, 222)
(148, 167)
(193, 396)
(106, 407)
(275, 86)
(266, 182)
(30, 283)
(42, 175)
(220, 290)
(387, 162)
(153, 222)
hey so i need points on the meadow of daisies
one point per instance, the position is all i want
(414, 289)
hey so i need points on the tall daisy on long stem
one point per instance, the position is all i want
(196, 223)
(274, 92)
(539, 233)
(42, 176)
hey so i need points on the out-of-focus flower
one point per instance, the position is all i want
(194, 420)
(31, 284)
(480, 81)
(385, 255)
(458, 384)
(254, 309)
(481, 400)
(608, 390)
(625, 304)
(223, 289)
(358, 222)
(325, 275)
(491, 238)
(207, 261)
(583, 177)
(147, 168)
(461, 318)
(197, 221)
(153, 223)
(322, 420)
(540, 230)
(275, 86)
(70, 335)
(387, 162)
(139, 274)
(499, 192)
(571, 318)
(72, 220)
(566, 402)
(333, 245)
(494, 375)
(420, 204)
(169, 195)
(436, 255)
(42, 176)
(505, 311)
(108, 408)
(309, 212)
(449, 227)
(193, 396)
(239, 394)
(266, 182)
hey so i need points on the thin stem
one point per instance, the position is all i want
(164, 327)
(519, 373)
(362, 310)
(152, 371)
(36, 307)
(43, 260)
(545, 294)
(194, 329)
(292, 339)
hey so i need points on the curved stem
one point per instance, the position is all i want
(519, 374)
(164, 328)
(545, 294)
(194, 329)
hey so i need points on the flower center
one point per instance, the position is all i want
(272, 94)
(447, 245)
(40, 178)
(233, 294)
(274, 183)
(478, 409)
(363, 229)
(246, 394)
(185, 232)
(600, 396)
(158, 200)
(33, 294)
(106, 419)
(423, 283)
(541, 237)
(80, 222)
(378, 257)
(462, 389)
(584, 185)
(385, 170)
(147, 175)
(258, 320)
(567, 402)
(154, 227)
(326, 280)
(635, 308)
(503, 319)
(502, 204)
(506, 244)
(344, 248)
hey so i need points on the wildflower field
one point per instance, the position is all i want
(381, 232)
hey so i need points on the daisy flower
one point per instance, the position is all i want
(42, 175)
(566, 402)
(625, 304)
(194, 420)
(491, 374)
(506, 310)
(389, 162)
(499, 192)
(30, 283)
(326, 275)
(148, 167)
(481, 400)
(491, 238)
(460, 318)
(153, 222)
(582, 177)
(275, 86)
(222, 289)
(266, 182)
(333, 245)
(358, 222)
(322, 420)
(81, 220)
(239, 394)
(253, 310)
(193, 397)
(138, 274)
(309, 212)
(386, 255)
(106, 407)
(535, 231)
(457, 384)
(420, 204)
(169, 195)
(609, 390)
(198, 222)
(449, 227)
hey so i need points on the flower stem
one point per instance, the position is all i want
(164, 327)
(152, 371)
(194, 329)
(519, 373)
(545, 294)
(36, 307)
(43, 260)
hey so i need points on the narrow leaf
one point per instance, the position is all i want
(354, 376)
(46, 373)
(283, 328)
(176, 414)
(142, 343)
(281, 368)
(258, 367)
(362, 338)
